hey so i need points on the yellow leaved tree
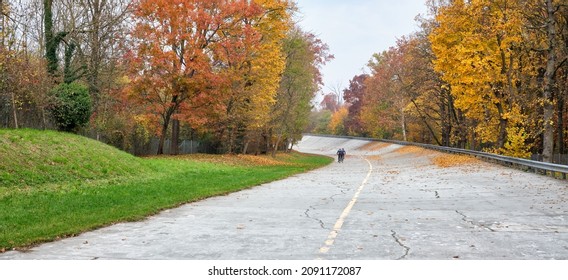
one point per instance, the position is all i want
(479, 53)
(337, 123)
(268, 66)
(252, 64)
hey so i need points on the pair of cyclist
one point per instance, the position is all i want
(340, 155)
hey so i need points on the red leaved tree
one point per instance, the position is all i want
(175, 50)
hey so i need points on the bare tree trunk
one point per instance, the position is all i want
(503, 122)
(403, 124)
(462, 130)
(268, 140)
(174, 149)
(548, 96)
(231, 140)
(15, 110)
(425, 121)
(446, 119)
(562, 108)
(95, 44)
(163, 135)
(275, 149)
(560, 147)
(43, 120)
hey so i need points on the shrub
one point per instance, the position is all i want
(72, 106)
(516, 143)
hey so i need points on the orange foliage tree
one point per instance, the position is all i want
(176, 50)
(383, 109)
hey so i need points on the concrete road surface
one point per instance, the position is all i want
(384, 202)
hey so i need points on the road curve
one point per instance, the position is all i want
(384, 202)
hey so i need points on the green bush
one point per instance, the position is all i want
(72, 106)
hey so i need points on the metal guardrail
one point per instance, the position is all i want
(544, 168)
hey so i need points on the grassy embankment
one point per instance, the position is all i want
(54, 184)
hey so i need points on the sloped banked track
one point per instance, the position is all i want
(384, 202)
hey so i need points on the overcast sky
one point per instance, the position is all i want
(355, 29)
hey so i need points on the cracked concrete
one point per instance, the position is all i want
(322, 224)
(399, 242)
(409, 209)
(465, 219)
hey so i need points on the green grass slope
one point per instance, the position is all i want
(55, 184)
(31, 157)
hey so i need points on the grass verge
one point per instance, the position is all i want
(54, 185)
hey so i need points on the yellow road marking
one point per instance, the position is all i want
(339, 223)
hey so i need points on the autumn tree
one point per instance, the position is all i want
(432, 96)
(23, 78)
(23, 88)
(254, 62)
(546, 28)
(404, 97)
(431, 111)
(330, 102)
(175, 44)
(383, 109)
(319, 122)
(478, 46)
(301, 79)
(353, 96)
(337, 122)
